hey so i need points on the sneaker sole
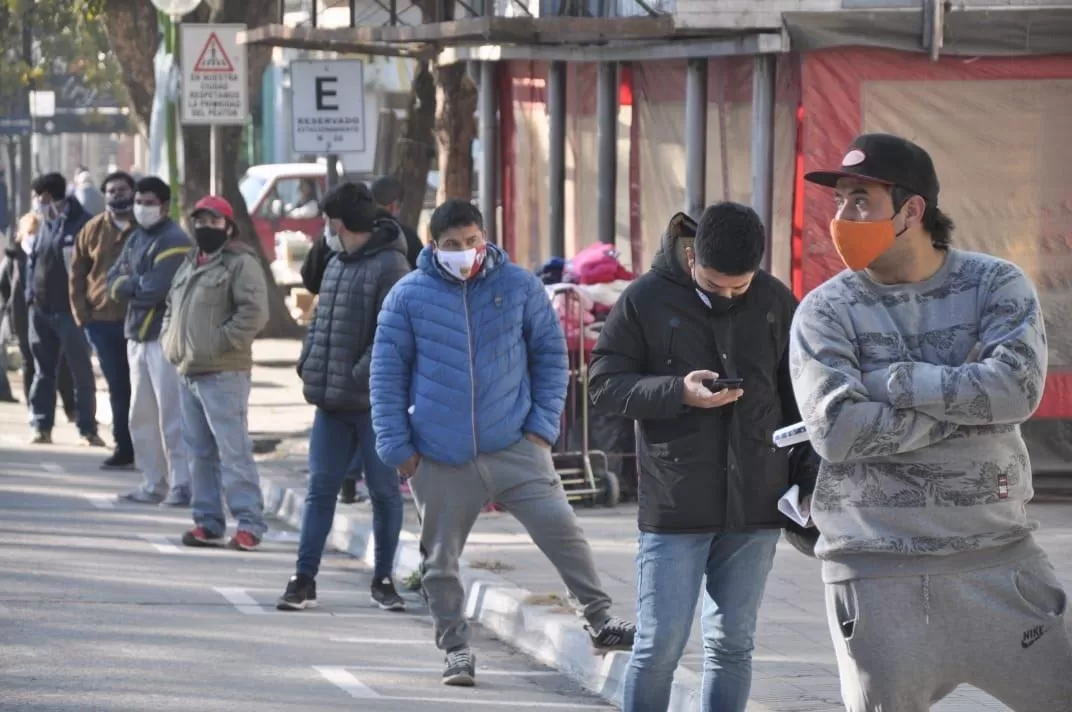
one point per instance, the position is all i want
(398, 606)
(463, 679)
(117, 467)
(238, 547)
(290, 606)
(204, 543)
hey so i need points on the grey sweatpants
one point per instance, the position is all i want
(904, 643)
(522, 478)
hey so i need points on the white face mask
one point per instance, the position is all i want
(463, 264)
(148, 215)
(332, 238)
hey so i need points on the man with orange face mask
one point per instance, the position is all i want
(913, 370)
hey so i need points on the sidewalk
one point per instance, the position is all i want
(514, 592)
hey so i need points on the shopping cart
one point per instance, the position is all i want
(585, 474)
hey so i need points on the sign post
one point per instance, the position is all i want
(214, 84)
(328, 106)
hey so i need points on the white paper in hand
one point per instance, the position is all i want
(791, 506)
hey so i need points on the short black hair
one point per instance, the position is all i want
(935, 223)
(154, 185)
(52, 183)
(730, 238)
(117, 175)
(353, 204)
(387, 190)
(454, 213)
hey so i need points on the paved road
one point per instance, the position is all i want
(103, 609)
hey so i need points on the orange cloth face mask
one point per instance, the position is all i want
(861, 243)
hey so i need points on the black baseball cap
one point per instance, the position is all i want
(890, 160)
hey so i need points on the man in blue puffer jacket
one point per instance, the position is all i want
(469, 376)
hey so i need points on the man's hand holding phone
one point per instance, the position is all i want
(704, 389)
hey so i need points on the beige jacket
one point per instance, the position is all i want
(215, 310)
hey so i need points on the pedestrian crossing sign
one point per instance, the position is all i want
(213, 57)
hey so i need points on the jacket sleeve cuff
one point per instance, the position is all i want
(536, 424)
(396, 456)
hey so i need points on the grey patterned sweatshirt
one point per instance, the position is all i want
(913, 395)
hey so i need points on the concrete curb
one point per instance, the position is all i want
(555, 639)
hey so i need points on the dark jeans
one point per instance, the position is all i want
(50, 335)
(111, 346)
(335, 438)
(65, 383)
(357, 467)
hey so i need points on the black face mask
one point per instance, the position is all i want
(716, 302)
(121, 205)
(210, 239)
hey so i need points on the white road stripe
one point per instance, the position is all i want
(101, 501)
(381, 641)
(467, 701)
(241, 600)
(52, 467)
(161, 544)
(480, 671)
(340, 678)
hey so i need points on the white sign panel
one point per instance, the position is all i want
(214, 82)
(328, 106)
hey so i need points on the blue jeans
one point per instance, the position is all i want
(111, 346)
(335, 438)
(670, 569)
(50, 335)
(357, 466)
(214, 408)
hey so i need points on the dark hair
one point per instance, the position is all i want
(935, 223)
(114, 176)
(353, 204)
(152, 184)
(454, 213)
(387, 190)
(730, 238)
(52, 183)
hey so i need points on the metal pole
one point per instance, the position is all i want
(172, 109)
(282, 11)
(333, 170)
(556, 161)
(312, 15)
(763, 84)
(696, 137)
(25, 176)
(213, 160)
(607, 150)
(488, 178)
(353, 13)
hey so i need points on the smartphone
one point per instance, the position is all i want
(719, 384)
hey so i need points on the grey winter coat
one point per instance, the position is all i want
(335, 360)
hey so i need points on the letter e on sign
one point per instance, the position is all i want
(325, 87)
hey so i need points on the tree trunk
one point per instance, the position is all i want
(133, 34)
(455, 131)
(417, 149)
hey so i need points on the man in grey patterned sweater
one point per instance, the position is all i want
(913, 370)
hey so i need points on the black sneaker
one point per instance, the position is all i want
(119, 461)
(385, 595)
(300, 594)
(348, 493)
(460, 668)
(41, 437)
(615, 634)
(92, 440)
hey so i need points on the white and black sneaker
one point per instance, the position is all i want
(300, 594)
(386, 597)
(460, 668)
(615, 634)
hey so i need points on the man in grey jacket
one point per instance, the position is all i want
(142, 278)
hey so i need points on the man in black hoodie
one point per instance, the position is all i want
(52, 327)
(334, 368)
(387, 192)
(710, 477)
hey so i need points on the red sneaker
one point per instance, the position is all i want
(199, 536)
(244, 541)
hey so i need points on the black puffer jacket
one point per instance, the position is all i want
(334, 365)
(700, 470)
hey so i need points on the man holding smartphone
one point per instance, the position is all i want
(696, 351)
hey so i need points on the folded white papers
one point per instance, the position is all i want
(791, 506)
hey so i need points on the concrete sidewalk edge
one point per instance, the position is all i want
(555, 639)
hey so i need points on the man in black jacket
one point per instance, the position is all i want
(710, 478)
(387, 192)
(334, 368)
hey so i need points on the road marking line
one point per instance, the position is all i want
(340, 678)
(381, 641)
(241, 600)
(52, 467)
(101, 501)
(481, 671)
(161, 544)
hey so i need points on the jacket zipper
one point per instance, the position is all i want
(472, 370)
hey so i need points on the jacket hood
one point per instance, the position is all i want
(670, 260)
(493, 259)
(386, 235)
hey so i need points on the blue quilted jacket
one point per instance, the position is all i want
(460, 369)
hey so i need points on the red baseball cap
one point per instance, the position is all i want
(214, 205)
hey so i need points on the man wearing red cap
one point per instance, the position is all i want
(217, 306)
(913, 370)
(140, 279)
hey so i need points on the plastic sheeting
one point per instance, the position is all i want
(998, 132)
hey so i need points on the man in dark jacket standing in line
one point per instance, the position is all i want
(710, 478)
(387, 192)
(334, 368)
(52, 328)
